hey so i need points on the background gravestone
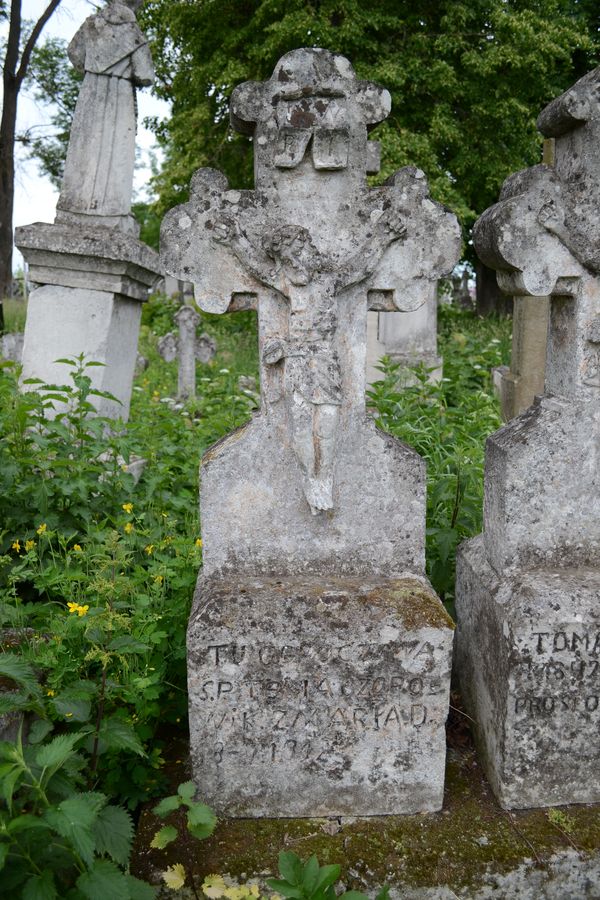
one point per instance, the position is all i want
(528, 643)
(91, 271)
(187, 347)
(318, 654)
(408, 338)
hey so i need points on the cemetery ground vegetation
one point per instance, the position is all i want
(97, 573)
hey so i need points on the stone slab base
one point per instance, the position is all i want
(81, 256)
(313, 697)
(528, 661)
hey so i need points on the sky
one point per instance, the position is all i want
(35, 197)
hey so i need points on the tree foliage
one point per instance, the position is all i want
(467, 79)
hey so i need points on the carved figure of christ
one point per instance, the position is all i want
(289, 262)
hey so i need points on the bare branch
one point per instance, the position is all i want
(32, 40)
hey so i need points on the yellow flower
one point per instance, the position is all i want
(77, 548)
(76, 608)
(128, 507)
(29, 545)
(158, 579)
(155, 396)
(68, 715)
(149, 549)
(123, 467)
(199, 542)
(128, 528)
(174, 877)
(16, 546)
(42, 529)
(214, 886)
(50, 693)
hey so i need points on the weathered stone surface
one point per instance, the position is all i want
(61, 322)
(114, 56)
(528, 647)
(187, 347)
(11, 346)
(316, 696)
(524, 380)
(312, 247)
(187, 321)
(98, 259)
(528, 658)
(310, 489)
(542, 505)
(260, 522)
(408, 338)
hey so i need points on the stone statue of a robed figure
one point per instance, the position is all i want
(91, 271)
(113, 53)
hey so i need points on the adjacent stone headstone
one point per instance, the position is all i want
(11, 346)
(91, 271)
(408, 338)
(523, 381)
(528, 651)
(318, 654)
(187, 347)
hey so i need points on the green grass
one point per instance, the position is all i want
(15, 313)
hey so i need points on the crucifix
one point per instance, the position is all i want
(310, 242)
(312, 517)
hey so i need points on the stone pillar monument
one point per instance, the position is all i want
(91, 271)
(318, 654)
(528, 651)
(408, 338)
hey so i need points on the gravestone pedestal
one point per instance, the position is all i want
(91, 286)
(319, 696)
(528, 658)
(528, 637)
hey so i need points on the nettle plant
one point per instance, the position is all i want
(96, 577)
(58, 839)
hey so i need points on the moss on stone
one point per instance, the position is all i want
(456, 847)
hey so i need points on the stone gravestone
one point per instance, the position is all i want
(11, 346)
(187, 347)
(318, 654)
(408, 338)
(91, 271)
(527, 590)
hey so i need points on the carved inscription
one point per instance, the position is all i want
(274, 703)
(559, 673)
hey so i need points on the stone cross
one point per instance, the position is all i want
(187, 347)
(312, 247)
(312, 518)
(527, 589)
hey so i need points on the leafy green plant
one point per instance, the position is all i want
(56, 839)
(310, 881)
(447, 424)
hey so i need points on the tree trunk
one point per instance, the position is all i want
(7, 150)
(13, 73)
(490, 300)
